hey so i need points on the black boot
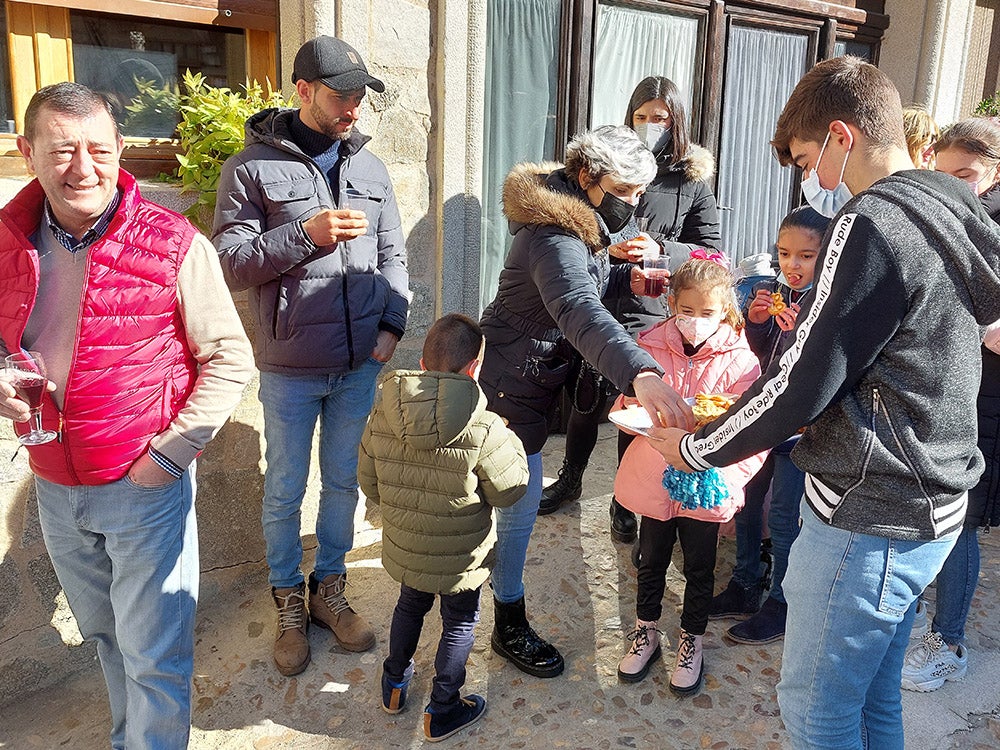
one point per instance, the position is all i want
(735, 601)
(514, 639)
(569, 486)
(623, 523)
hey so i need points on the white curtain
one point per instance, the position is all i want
(762, 68)
(859, 49)
(633, 44)
(519, 113)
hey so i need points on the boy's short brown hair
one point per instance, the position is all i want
(451, 343)
(843, 88)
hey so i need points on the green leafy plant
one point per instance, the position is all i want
(210, 131)
(989, 107)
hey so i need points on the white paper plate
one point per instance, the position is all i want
(633, 418)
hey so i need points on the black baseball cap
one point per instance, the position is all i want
(334, 62)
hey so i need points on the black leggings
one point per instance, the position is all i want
(699, 540)
(581, 435)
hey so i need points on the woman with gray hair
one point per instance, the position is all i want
(681, 215)
(549, 306)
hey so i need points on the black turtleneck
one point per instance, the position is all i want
(322, 149)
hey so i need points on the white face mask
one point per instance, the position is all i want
(656, 137)
(825, 201)
(696, 330)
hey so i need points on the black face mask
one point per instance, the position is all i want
(615, 212)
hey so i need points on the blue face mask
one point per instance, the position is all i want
(825, 201)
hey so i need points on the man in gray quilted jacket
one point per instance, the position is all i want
(307, 222)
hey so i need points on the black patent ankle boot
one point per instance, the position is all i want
(515, 640)
(569, 486)
(623, 524)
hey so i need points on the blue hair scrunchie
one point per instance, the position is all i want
(695, 490)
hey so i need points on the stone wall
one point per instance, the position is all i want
(925, 52)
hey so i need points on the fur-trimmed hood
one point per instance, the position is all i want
(542, 194)
(698, 165)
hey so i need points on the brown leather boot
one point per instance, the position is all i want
(329, 609)
(291, 648)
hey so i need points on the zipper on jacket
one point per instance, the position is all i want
(899, 445)
(876, 400)
(347, 323)
(277, 304)
(67, 395)
(341, 187)
(685, 388)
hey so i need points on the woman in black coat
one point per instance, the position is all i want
(682, 215)
(548, 307)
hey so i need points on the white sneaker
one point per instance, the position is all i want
(930, 662)
(919, 621)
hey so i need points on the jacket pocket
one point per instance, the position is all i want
(892, 440)
(868, 447)
(290, 200)
(279, 316)
(373, 204)
(544, 364)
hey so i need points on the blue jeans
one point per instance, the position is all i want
(292, 404)
(127, 558)
(787, 488)
(848, 626)
(514, 525)
(459, 615)
(956, 584)
(787, 484)
(749, 524)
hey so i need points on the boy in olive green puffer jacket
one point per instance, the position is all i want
(437, 462)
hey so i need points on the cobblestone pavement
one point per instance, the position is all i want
(581, 590)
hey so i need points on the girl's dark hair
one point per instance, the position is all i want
(980, 136)
(659, 87)
(805, 217)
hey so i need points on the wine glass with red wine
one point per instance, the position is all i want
(26, 372)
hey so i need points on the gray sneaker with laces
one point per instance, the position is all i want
(930, 662)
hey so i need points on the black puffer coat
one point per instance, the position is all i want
(984, 498)
(549, 302)
(682, 215)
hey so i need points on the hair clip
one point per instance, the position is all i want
(700, 253)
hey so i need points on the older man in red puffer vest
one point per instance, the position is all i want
(146, 358)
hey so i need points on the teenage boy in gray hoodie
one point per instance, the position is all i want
(884, 370)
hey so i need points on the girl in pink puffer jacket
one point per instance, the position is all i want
(703, 349)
